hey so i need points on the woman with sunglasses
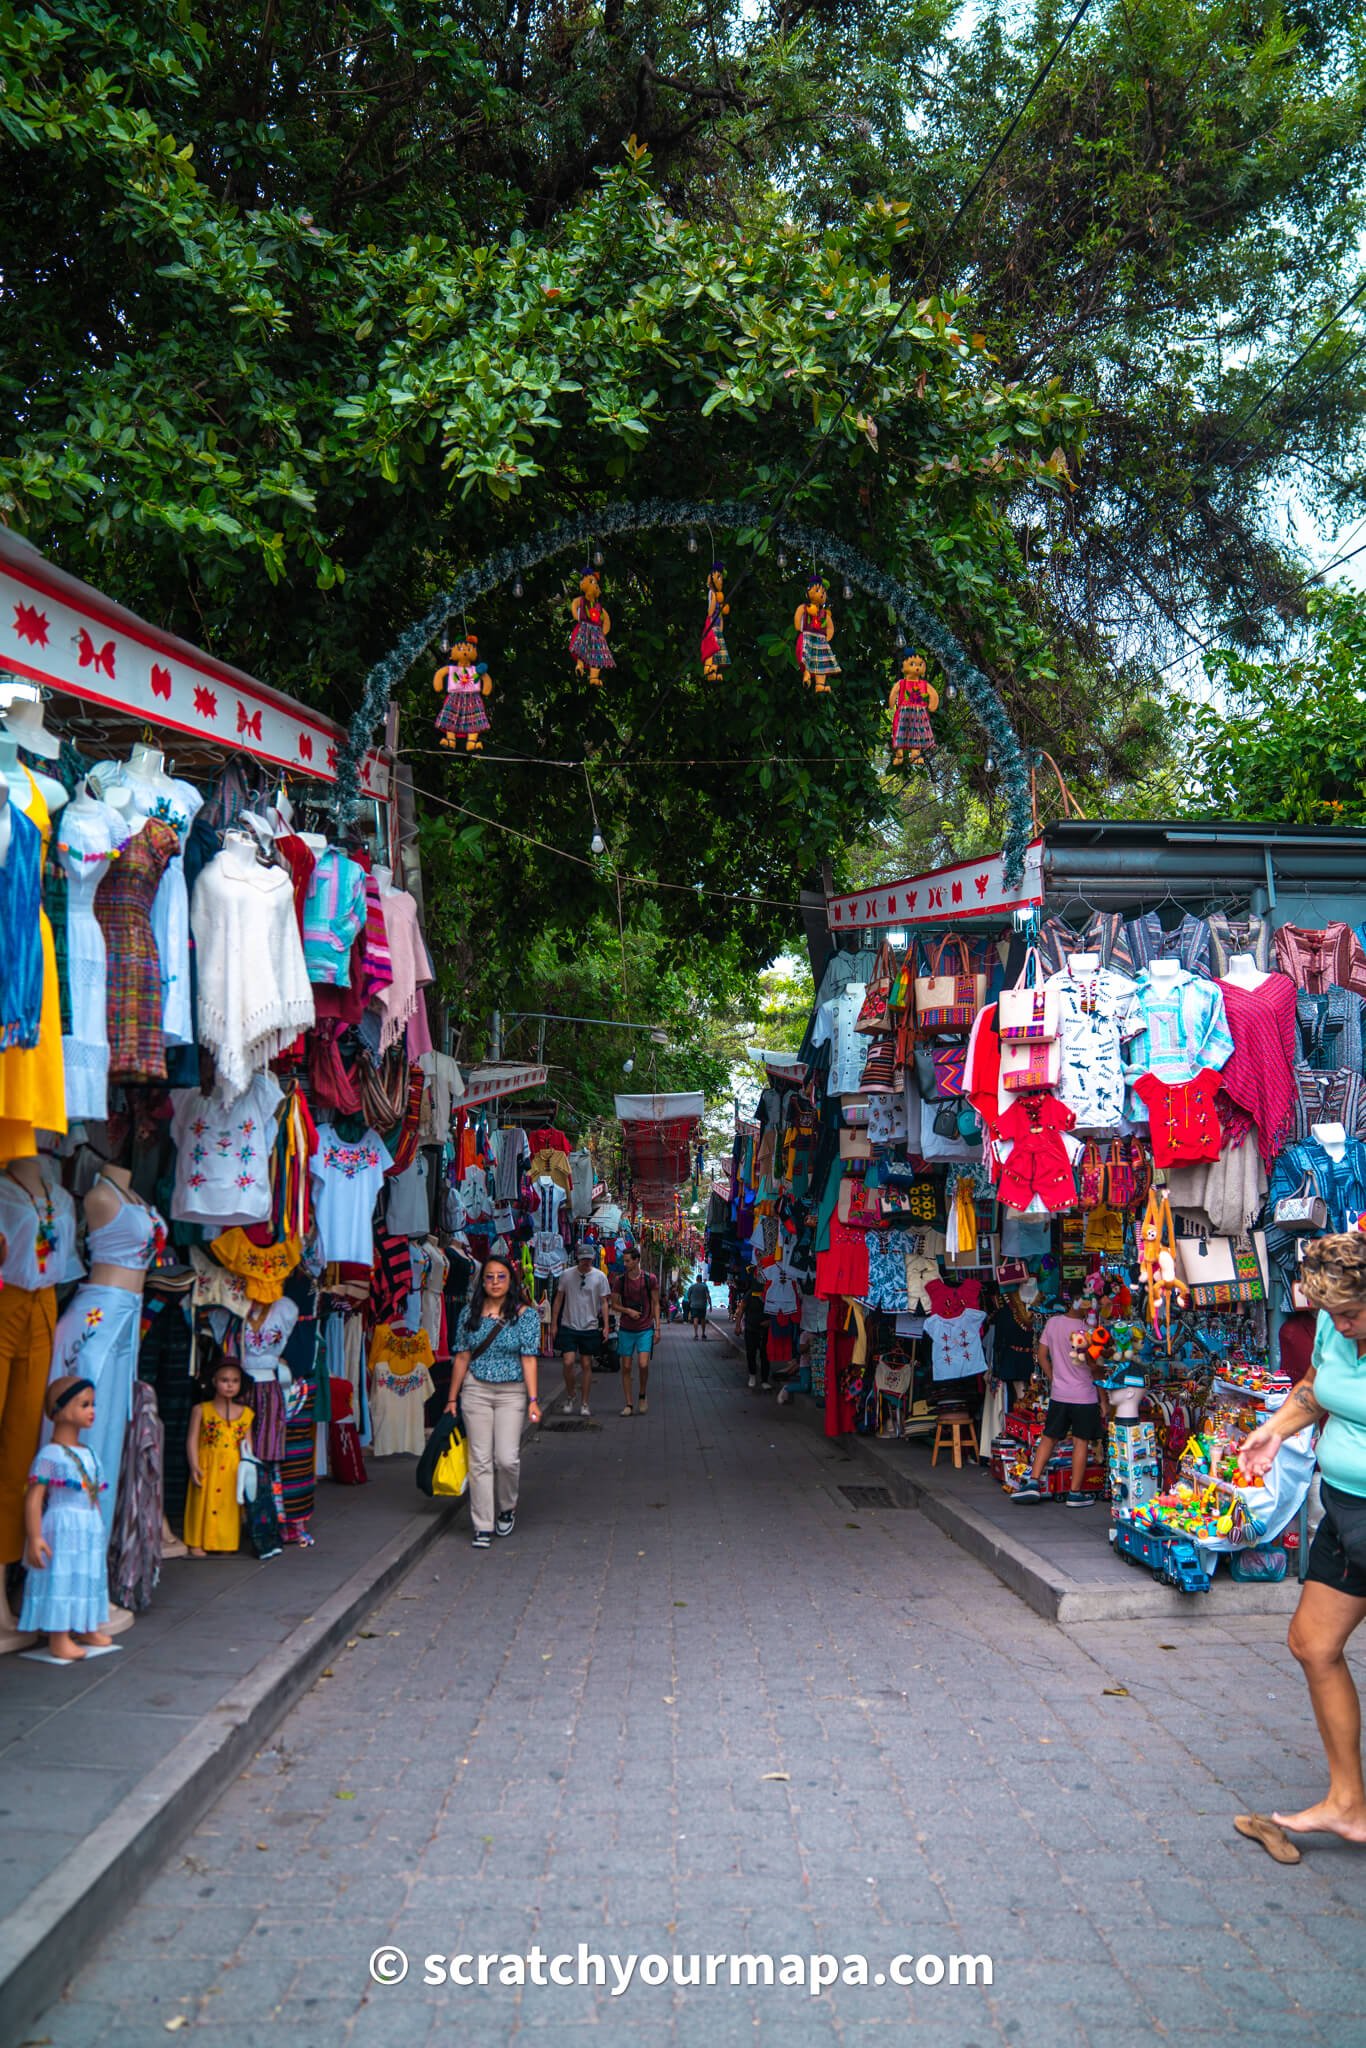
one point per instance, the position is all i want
(497, 1347)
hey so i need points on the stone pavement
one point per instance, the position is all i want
(700, 1703)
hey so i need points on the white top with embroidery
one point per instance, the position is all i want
(834, 1026)
(400, 1381)
(263, 1342)
(346, 1182)
(223, 1151)
(1097, 1014)
(957, 1342)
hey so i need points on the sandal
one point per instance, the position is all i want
(628, 1411)
(1259, 1827)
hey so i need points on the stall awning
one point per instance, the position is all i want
(659, 1131)
(488, 1084)
(970, 888)
(61, 633)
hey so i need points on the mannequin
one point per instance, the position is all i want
(316, 842)
(24, 723)
(1333, 1139)
(1081, 964)
(99, 1331)
(32, 1083)
(1164, 971)
(1243, 970)
(14, 774)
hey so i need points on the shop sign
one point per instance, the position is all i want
(487, 1084)
(971, 888)
(56, 631)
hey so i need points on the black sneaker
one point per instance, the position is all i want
(481, 1539)
(506, 1523)
(1081, 1500)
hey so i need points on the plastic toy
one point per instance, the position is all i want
(588, 641)
(910, 701)
(466, 681)
(815, 625)
(1173, 1560)
(715, 653)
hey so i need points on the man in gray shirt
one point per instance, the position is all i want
(578, 1323)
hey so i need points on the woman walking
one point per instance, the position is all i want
(496, 1359)
(1333, 1597)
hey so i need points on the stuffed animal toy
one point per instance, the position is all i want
(715, 653)
(466, 681)
(815, 624)
(588, 641)
(910, 702)
(1157, 1264)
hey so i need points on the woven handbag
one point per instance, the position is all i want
(949, 1001)
(1028, 1064)
(872, 1016)
(1219, 1271)
(1029, 1010)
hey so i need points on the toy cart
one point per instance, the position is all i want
(1173, 1560)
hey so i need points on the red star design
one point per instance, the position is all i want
(205, 702)
(30, 624)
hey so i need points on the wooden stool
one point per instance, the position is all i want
(954, 1432)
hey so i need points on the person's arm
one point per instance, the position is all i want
(1257, 1452)
(530, 1364)
(556, 1306)
(37, 1553)
(658, 1294)
(460, 1365)
(192, 1446)
(604, 1308)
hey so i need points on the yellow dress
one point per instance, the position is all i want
(213, 1519)
(33, 1080)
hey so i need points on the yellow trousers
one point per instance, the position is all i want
(27, 1323)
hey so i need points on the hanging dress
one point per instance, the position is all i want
(92, 834)
(123, 905)
(32, 1080)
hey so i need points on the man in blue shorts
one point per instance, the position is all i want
(637, 1304)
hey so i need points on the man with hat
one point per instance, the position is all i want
(578, 1323)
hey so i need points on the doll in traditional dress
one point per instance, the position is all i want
(715, 653)
(911, 700)
(66, 1591)
(815, 624)
(466, 681)
(588, 641)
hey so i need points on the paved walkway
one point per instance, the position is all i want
(700, 1703)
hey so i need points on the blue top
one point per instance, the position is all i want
(1340, 1387)
(502, 1362)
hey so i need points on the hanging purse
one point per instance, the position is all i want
(855, 1145)
(926, 1079)
(1091, 1176)
(948, 1001)
(1029, 1010)
(1304, 1210)
(1120, 1178)
(879, 1069)
(950, 1069)
(1030, 1064)
(872, 1017)
(1219, 1271)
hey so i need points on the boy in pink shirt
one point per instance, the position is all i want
(1073, 1407)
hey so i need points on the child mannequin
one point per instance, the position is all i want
(67, 1589)
(219, 1430)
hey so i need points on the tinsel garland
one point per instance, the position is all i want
(915, 622)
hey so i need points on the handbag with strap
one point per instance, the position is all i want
(949, 1000)
(879, 1069)
(1219, 1271)
(1029, 1010)
(901, 1000)
(1304, 1210)
(872, 1016)
(1091, 1176)
(1030, 1064)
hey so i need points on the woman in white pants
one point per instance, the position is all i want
(496, 1359)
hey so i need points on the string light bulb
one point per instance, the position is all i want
(597, 558)
(517, 588)
(782, 559)
(692, 543)
(597, 844)
(848, 590)
(989, 765)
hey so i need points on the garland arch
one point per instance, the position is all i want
(914, 619)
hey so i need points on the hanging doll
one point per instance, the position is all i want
(910, 701)
(466, 681)
(66, 1591)
(1157, 1263)
(815, 624)
(715, 653)
(588, 641)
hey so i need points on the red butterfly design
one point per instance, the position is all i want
(248, 724)
(161, 680)
(95, 657)
(30, 624)
(205, 702)
(305, 747)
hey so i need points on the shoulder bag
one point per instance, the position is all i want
(1304, 1210)
(948, 1000)
(872, 1016)
(1029, 1010)
(1030, 1064)
(1219, 1271)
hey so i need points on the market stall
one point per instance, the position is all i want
(1095, 1113)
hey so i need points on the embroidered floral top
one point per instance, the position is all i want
(1184, 1030)
(515, 1341)
(347, 1178)
(223, 1154)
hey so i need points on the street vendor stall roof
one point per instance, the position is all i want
(491, 1083)
(63, 634)
(659, 1131)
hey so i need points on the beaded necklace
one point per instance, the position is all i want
(45, 1234)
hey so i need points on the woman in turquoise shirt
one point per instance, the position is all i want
(1333, 1598)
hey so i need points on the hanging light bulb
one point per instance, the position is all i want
(692, 543)
(848, 590)
(952, 690)
(989, 764)
(597, 558)
(782, 559)
(517, 587)
(597, 844)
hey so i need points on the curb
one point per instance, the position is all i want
(86, 1895)
(1045, 1587)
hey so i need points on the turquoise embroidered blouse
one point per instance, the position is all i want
(502, 1362)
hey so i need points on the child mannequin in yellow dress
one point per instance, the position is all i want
(220, 1430)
